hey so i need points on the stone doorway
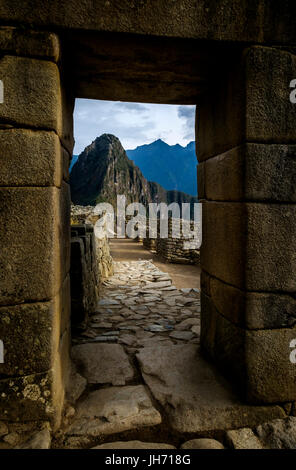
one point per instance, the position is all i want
(246, 138)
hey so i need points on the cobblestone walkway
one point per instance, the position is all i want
(139, 306)
(138, 379)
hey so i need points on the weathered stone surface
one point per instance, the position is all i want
(28, 398)
(271, 375)
(195, 397)
(250, 245)
(12, 438)
(274, 119)
(222, 340)
(63, 305)
(278, 434)
(30, 158)
(185, 335)
(29, 43)
(257, 359)
(134, 445)
(243, 438)
(40, 440)
(76, 385)
(223, 247)
(113, 410)
(202, 444)
(253, 310)
(30, 338)
(36, 238)
(60, 378)
(227, 20)
(231, 114)
(270, 310)
(258, 172)
(187, 324)
(83, 274)
(31, 93)
(103, 363)
(3, 429)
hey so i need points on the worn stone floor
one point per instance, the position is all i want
(139, 380)
(183, 275)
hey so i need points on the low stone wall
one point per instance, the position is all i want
(104, 258)
(84, 274)
(173, 249)
(85, 215)
(150, 244)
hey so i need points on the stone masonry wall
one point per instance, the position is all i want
(84, 274)
(246, 177)
(85, 215)
(173, 249)
(36, 142)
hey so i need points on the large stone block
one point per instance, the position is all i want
(194, 396)
(271, 375)
(30, 158)
(29, 43)
(223, 248)
(223, 341)
(258, 361)
(250, 246)
(32, 398)
(31, 334)
(250, 103)
(35, 243)
(258, 172)
(29, 337)
(253, 310)
(32, 94)
(223, 20)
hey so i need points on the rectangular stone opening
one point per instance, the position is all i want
(153, 172)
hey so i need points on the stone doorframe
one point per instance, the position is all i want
(246, 147)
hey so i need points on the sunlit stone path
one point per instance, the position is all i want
(139, 306)
(138, 379)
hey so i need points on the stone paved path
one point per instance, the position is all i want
(138, 379)
(139, 306)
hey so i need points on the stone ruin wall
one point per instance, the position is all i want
(85, 215)
(246, 179)
(84, 274)
(36, 141)
(172, 249)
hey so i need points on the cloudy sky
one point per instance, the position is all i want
(133, 123)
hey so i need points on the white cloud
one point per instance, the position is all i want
(133, 123)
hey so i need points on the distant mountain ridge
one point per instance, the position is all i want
(103, 171)
(171, 166)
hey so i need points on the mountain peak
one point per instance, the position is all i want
(158, 142)
(104, 170)
(172, 166)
